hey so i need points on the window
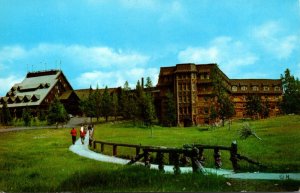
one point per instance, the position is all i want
(266, 88)
(277, 88)
(234, 88)
(244, 88)
(202, 76)
(255, 88)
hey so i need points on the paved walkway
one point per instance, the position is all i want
(84, 151)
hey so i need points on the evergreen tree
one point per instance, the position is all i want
(265, 108)
(97, 106)
(6, 117)
(170, 117)
(57, 113)
(88, 105)
(149, 110)
(224, 106)
(140, 105)
(114, 105)
(213, 113)
(253, 106)
(124, 101)
(26, 116)
(148, 83)
(291, 93)
(106, 104)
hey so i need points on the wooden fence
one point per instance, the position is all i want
(192, 151)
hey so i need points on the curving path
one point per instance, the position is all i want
(84, 151)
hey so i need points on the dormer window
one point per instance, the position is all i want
(255, 88)
(234, 88)
(277, 88)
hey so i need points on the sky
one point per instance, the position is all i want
(108, 42)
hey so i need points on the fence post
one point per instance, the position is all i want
(217, 157)
(102, 147)
(115, 150)
(160, 157)
(94, 144)
(233, 156)
(137, 150)
(176, 163)
(147, 159)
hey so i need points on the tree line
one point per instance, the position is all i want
(136, 105)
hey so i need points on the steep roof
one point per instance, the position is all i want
(33, 89)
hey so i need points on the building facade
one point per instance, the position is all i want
(191, 85)
(38, 90)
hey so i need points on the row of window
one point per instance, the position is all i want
(255, 88)
(186, 87)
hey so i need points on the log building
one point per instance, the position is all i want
(191, 85)
(38, 90)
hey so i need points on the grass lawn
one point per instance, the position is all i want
(278, 149)
(40, 161)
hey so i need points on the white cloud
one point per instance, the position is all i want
(227, 53)
(273, 37)
(101, 64)
(116, 78)
(93, 57)
(7, 83)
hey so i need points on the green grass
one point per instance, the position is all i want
(40, 161)
(278, 149)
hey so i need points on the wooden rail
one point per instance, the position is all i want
(193, 151)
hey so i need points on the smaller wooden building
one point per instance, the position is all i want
(38, 90)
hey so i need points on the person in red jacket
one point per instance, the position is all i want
(73, 134)
(82, 135)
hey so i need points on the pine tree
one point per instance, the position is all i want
(124, 101)
(224, 106)
(148, 83)
(106, 104)
(253, 106)
(6, 117)
(114, 105)
(26, 116)
(57, 113)
(291, 93)
(170, 117)
(97, 106)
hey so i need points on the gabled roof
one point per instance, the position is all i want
(32, 90)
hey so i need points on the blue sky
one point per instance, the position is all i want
(107, 42)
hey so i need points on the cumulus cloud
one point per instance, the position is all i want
(224, 51)
(275, 39)
(7, 83)
(116, 78)
(101, 64)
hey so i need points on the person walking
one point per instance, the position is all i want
(73, 134)
(82, 134)
(91, 135)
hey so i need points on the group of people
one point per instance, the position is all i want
(83, 131)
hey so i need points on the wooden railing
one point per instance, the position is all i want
(193, 151)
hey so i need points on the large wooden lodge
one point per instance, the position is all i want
(38, 90)
(191, 85)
